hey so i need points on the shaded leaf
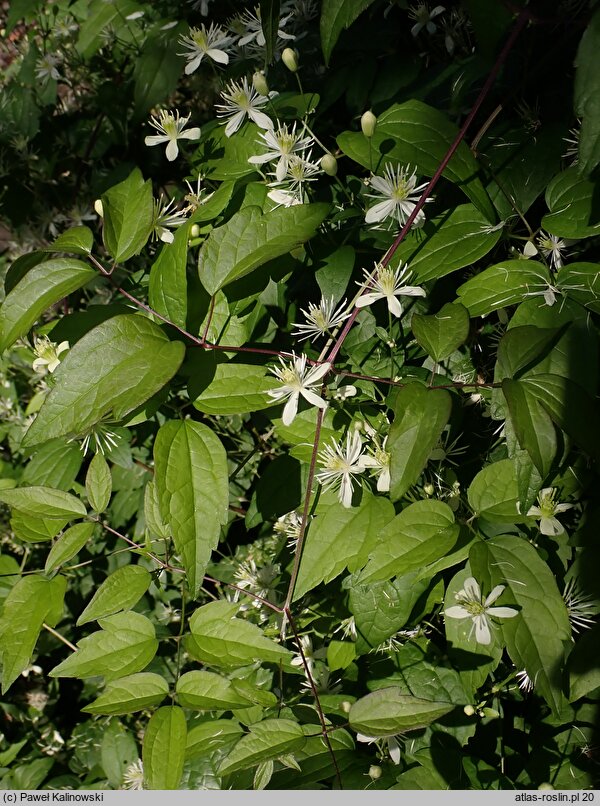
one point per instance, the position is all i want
(120, 591)
(128, 216)
(267, 740)
(163, 748)
(335, 16)
(98, 483)
(207, 691)
(167, 289)
(442, 333)
(136, 692)
(43, 502)
(68, 545)
(389, 711)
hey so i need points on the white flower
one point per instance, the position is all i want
(281, 144)
(581, 608)
(399, 194)
(45, 67)
(133, 777)
(296, 380)
(389, 284)
(290, 525)
(546, 510)
(171, 129)
(309, 655)
(252, 24)
(320, 319)
(380, 462)
(525, 682)
(196, 197)
(284, 198)
(202, 42)
(424, 18)
(472, 605)
(572, 152)
(241, 101)
(391, 742)
(341, 465)
(551, 247)
(166, 218)
(47, 354)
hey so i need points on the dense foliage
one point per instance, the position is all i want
(299, 393)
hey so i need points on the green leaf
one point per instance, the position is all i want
(220, 639)
(163, 749)
(340, 654)
(20, 9)
(191, 477)
(584, 669)
(30, 603)
(98, 483)
(388, 711)
(157, 68)
(269, 17)
(420, 418)
(206, 737)
(586, 93)
(442, 333)
(120, 591)
(215, 203)
(455, 239)
(76, 240)
(236, 389)
(419, 535)
(125, 645)
(339, 538)
(504, 284)
(383, 608)
(335, 16)
(102, 16)
(494, 493)
(43, 502)
(136, 692)
(112, 370)
(474, 661)
(580, 281)
(225, 158)
(537, 638)
(421, 137)
(56, 465)
(251, 238)
(570, 407)
(68, 545)
(128, 216)
(207, 691)
(167, 290)
(533, 427)
(573, 210)
(521, 348)
(34, 530)
(42, 286)
(152, 516)
(117, 751)
(268, 739)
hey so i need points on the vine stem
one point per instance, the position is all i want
(523, 18)
(315, 693)
(59, 636)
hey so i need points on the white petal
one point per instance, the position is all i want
(193, 65)
(218, 56)
(260, 159)
(394, 306)
(394, 749)
(262, 120)
(561, 508)
(313, 398)
(235, 123)
(281, 169)
(379, 212)
(318, 372)
(551, 527)
(383, 482)
(472, 589)
(457, 611)
(412, 291)
(190, 134)
(502, 612)
(155, 139)
(290, 409)
(534, 512)
(495, 593)
(172, 150)
(368, 299)
(482, 630)
(346, 491)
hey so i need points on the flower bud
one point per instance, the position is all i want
(99, 208)
(194, 231)
(329, 164)
(429, 489)
(469, 710)
(346, 706)
(375, 772)
(545, 785)
(259, 83)
(367, 123)
(490, 712)
(290, 58)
